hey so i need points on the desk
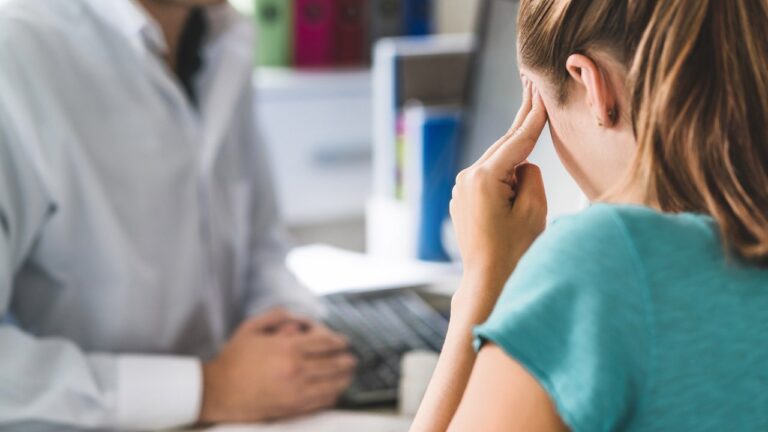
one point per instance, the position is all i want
(326, 270)
(327, 421)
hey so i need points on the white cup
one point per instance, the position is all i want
(416, 370)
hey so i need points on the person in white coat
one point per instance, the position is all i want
(142, 277)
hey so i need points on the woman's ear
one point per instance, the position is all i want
(600, 96)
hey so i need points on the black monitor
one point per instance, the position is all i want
(493, 96)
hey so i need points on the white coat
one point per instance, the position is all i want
(136, 231)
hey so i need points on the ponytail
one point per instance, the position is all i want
(698, 80)
(700, 110)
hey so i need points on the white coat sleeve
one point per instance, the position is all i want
(52, 381)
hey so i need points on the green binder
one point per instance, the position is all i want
(274, 32)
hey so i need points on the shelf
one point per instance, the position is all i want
(317, 128)
(339, 82)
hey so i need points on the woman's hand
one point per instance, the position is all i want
(499, 207)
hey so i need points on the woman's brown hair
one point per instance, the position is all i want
(698, 86)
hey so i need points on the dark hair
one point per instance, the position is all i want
(698, 81)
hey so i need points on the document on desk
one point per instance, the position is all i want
(329, 421)
(329, 270)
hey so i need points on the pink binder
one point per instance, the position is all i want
(315, 22)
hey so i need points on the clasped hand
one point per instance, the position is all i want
(276, 365)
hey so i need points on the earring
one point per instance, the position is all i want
(611, 116)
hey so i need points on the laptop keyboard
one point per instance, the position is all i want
(381, 327)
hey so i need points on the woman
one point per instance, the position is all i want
(648, 310)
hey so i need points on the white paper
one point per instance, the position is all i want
(328, 270)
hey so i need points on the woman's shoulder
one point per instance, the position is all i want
(633, 220)
(599, 221)
(625, 235)
(575, 314)
(582, 251)
(589, 238)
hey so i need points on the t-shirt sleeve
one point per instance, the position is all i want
(574, 314)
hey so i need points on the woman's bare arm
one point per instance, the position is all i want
(482, 392)
(498, 209)
(502, 396)
(453, 370)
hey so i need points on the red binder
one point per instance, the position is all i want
(315, 21)
(351, 32)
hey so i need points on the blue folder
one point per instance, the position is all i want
(417, 17)
(439, 164)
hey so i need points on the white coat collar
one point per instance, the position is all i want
(133, 21)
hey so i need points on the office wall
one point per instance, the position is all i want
(306, 219)
(456, 16)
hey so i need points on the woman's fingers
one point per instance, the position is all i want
(531, 198)
(525, 107)
(516, 148)
(522, 113)
(530, 207)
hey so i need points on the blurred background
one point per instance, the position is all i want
(323, 167)
(336, 81)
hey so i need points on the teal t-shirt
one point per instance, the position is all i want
(636, 320)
